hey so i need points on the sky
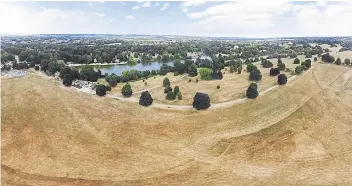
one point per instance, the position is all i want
(191, 18)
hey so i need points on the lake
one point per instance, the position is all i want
(118, 69)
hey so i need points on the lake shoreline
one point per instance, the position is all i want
(96, 64)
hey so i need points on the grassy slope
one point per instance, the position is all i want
(54, 136)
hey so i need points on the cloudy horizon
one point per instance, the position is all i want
(192, 18)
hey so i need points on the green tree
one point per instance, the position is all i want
(100, 90)
(296, 61)
(281, 79)
(251, 67)
(347, 61)
(192, 70)
(176, 90)
(299, 69)
(166, 82)
(126, 90)
(201, 101)
(255, 75)
(170, 95)
(338, 61)
(252, 91)
(179, 96)
(205, 73)
(145, 99)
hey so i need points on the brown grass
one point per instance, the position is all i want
(297, 134)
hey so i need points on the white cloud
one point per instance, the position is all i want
(185, 10)
(164, 7)
(146, 4)
(193, 3)
(91, 4)
(156, 4)
(135, 8)
(99, 14)
(129, 17)
(273, 18)
(122, 3)
(22, 20)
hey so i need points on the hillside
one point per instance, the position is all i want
(299, 134)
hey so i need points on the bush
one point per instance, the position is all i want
(274, 71)
(108, 88)
(176, 90)
(189, 80)
(67, 80)
(307, 63)
(145, 83)
(252, 91)
(64, 71)
(100, 90)
(255, 75)
(192, 70)
(145, 99)
(254, 85)
(267, 64)
(201, 101)
(347, 61)
(126, 90)
(281, 66)
(205, 73)
(175, 73)
(299, 69)
(251, 67)
(166, 82)
(232, 69)
(197, 80)
(315, 59)
(338, 61)
(239, 70)
(167, 89)
(296, 61)
(179, 96)
(281, 79)
(36, 67)
(327, 58)
(218, 87)
(112, 82)
(287, 70)
(170, 95)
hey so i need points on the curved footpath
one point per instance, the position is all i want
(190, 107)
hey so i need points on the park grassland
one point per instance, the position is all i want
(296, 134)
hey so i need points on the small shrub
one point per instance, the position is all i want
(67, 80)
(315, 59)
(175, 73)
(197, 80)
(296, 61)
(251, 67)
(170, 95)
(205, 73)
(126, 90)
(112, 82)
(252, 91)
(176, 90)
(189, 80)
(201, 101)
(287, 70)
(255, 75)
(281, 66)
(281, 79)
(108, 88)
(100, 90)
(145, 83)
(239, 70)
(179, 96)
(299, 70)
(218, 87)
(36, 67)
(347, 61)
(166, 82)
(338, 61)
(274, 71)
(167, 89)
(145, 99)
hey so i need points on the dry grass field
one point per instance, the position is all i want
(232, 86)
(298, 134)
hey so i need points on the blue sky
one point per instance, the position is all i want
(236, 19)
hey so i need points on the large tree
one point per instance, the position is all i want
(201, 101)
(145, 99)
